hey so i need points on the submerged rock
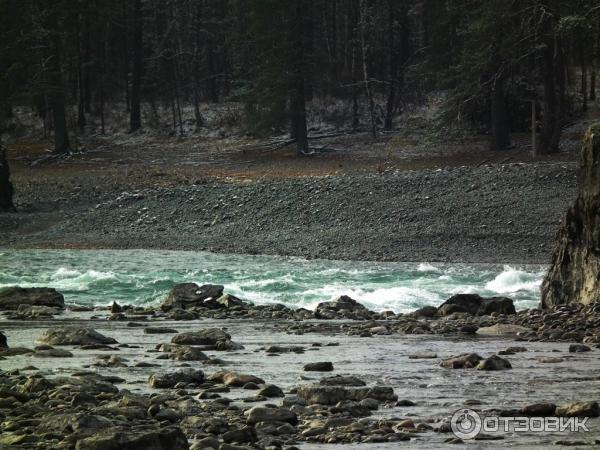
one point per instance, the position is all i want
(494, 362)
(11, 298)
(73, 336)
(579, 409)
(462, 361)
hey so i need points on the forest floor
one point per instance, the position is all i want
(399, 196)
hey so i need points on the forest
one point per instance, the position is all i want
(489, 60)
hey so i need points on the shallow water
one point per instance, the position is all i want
(384, 360)
(143, 277)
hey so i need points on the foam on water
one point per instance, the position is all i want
(97, 277)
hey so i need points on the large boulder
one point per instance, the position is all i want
(189, 295)
(74, 336)
(476, 305)
(267, 415)
(11, 298)
(169, 380)
(343, 306)
(318, 394)
(574, 274)
(209, 336)
(170, 438)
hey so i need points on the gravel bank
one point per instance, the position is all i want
(491, 213)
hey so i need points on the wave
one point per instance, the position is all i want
(513, 280)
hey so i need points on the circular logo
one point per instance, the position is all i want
(465, 423)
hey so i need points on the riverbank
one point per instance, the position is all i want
(486, 213)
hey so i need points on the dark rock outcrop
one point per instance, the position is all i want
(476, 305)
(6, 187)
(189, 295)
(574, 274)
(11, 298)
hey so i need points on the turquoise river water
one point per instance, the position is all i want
(142, 277)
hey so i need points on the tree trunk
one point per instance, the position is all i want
(135, 120)
(393, 65)
(363, 45)
(584, 91)
(500, 120)
(297, 91)
(56, 94)
(545, 143)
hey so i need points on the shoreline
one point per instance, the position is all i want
(484, 214)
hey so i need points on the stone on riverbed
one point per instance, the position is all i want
(462, 361)
(268, 415)
(494, 362)
(169, 380)
(11, 298)
(73, 336)
(578, 409)
(316, 394)
(170, 438)
(187, 353)
(324, 366)
(235, 379)
(209, 336)
(189, 295)
(476, 305)
(342, 380)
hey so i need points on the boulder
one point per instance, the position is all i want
(494, 362)
(578, 409)
(189, 295)
(73, 336)
(169, 380)
(317, 394)
(11, 298)
(462, 361)
(209, 336)
(324, 366)
(271, 391)
(573, 273)
(268, 415)
(539, 410)
(476, 305)
(579, 348)
(229, 301)
(3, 342)
(235, 379)
(342, 306)
(169, 438)
(426, 312)
(187, 353)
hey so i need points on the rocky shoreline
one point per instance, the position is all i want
(208, 370)
(494, 213)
